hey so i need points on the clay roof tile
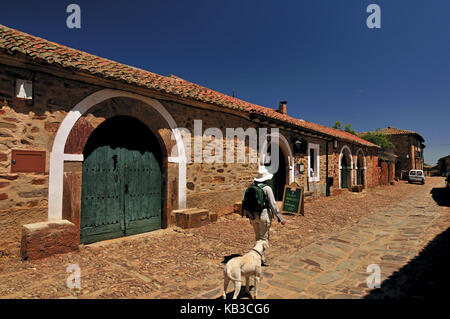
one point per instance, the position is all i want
(41, 50)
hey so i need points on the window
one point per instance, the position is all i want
(312, 159)
(24, 89)
(313, 162)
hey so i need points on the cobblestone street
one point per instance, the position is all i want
(324, 254)
(335, 265)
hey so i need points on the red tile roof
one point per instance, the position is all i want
(46, 52)
(396, 131)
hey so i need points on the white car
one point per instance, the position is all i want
(416, 175)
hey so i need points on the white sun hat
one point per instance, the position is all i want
(263, 175)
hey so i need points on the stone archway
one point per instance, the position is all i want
(361, 168)
(345, 168)
(285, 169)
(122, 181)
(58, 157)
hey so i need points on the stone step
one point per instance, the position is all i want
(44, 239)
(192, 217)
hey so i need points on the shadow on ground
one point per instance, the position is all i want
(441, 196)
(425, 276)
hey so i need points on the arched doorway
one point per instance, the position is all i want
(279, 179)
(345, 166)
(59, 155)
(360, 171)
(121, 181)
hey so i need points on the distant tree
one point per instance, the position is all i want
(347, 128)
(337, 125)
(377, 138)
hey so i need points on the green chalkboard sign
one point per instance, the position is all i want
(293, 201)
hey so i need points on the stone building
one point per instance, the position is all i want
(99, 143)
(444, 165)
(408, 147)
(386, 169)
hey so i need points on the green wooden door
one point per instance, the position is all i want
(102, 198)
(388, 173)
(121, 193)
(358, 176)
(345, 173)
(142, 177)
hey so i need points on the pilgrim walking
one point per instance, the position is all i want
(260, 207)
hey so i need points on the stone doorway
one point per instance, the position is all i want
(360, 171)
(346, 168)
(280, 177)
(121, 181)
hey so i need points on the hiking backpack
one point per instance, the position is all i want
(254, 200)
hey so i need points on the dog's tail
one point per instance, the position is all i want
(228, 274)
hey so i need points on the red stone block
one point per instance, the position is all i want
(9, 177)
(41, 240)
(190, 218)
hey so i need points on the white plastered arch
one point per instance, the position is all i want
(285, 148)
(364, 157)
(341, 154)
(57, 156)
(365, 164)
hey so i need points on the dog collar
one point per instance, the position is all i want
(258, 252)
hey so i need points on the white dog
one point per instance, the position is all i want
(244, 266)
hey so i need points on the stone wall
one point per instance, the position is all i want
(444, 166)
(406, 145)
(33, 126)
(387, 173)
(373, 175)
(368, 158)
(215, 186)
(26, 125)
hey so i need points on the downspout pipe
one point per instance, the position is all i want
(327, 179)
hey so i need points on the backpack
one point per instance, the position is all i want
(254, 200)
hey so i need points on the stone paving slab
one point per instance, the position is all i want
(335, 265)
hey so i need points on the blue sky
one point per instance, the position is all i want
(318, 55)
